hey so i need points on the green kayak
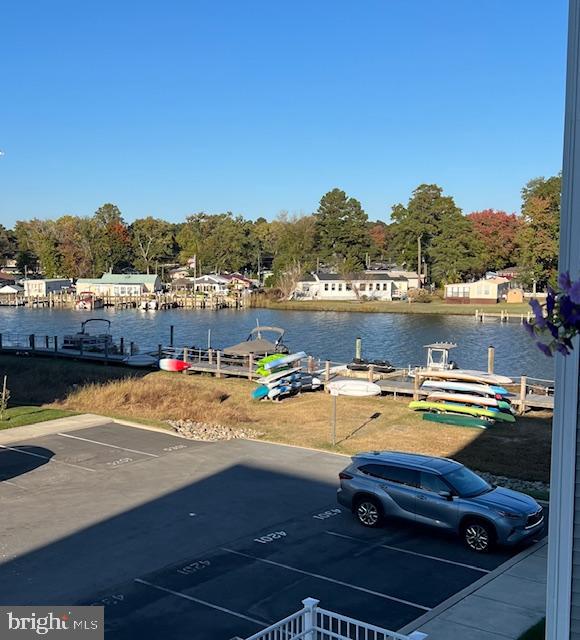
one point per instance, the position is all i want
(458, 421)
(454, 407)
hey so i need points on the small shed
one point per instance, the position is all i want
(11, 289)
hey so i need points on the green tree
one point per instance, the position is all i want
(294, 242)
(455, 252)
(539, 237)
(427, 215)
(341, 225)
(41, 239)
(112, 239)
(221, 242)
(152, 241)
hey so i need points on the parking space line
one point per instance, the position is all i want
(50, 459)
(12, 484)
(106, 444)
(411, 553)
(327, 579)
(178, 594)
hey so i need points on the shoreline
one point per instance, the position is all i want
(403, 308)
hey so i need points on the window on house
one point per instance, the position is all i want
(348, 286)
(362, 287)
(326, 287)
(333, 286)
(340, 286)
(384, 286)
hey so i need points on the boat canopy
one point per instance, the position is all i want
(438, 355)
(258, 345)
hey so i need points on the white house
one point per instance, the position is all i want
(42, 287)
(120, 284)
(212, 283)
(11, 289)
(377, 285)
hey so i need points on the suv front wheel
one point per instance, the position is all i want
(478, 535)
(368, 512)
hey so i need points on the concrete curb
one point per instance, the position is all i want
(472, 588)
(49, 427)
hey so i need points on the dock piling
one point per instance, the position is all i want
(490, 358)
(218, 363)
(416, 385)
(131, 348)
(171, 330)
(251, 366)
(122, 345)
(523, 393)
(371, 373)
(56, 344)
(358, 348)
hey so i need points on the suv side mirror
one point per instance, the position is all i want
(446, 494)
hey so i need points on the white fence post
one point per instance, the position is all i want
(310, 605)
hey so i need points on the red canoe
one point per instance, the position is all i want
(172, 364)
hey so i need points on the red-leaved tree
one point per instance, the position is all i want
(498, 233)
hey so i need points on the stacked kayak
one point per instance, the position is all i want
(466, 398)
(281, 377)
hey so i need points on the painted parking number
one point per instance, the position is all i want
(194, 567)
(327, 514)
(109, 600)
(271, 537)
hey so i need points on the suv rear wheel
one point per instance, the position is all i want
(368, 512)
(478, 535)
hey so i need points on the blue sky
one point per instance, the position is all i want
(168, 108)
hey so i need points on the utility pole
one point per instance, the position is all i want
(419, 261)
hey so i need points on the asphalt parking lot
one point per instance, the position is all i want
(206, 540)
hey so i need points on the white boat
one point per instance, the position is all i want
(141, 360)
(87, 301)
(354, 387)
(149, 305)
(90, 342)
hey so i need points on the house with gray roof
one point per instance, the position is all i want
(374, 285)
(120, 284)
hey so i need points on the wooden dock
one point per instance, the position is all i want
(503, 316)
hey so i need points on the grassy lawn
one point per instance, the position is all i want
(434, 307)
(537, 632)
(20, 416)
(518, 451)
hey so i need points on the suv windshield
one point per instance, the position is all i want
(466, 483)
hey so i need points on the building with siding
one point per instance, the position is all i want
(44, 286)
(120, 284)
(486, 291)
(375, 285)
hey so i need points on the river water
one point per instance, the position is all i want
(399, 338)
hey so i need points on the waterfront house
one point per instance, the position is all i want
(6, 278)
(120, 284)
(44, 286)
(212, 283)
(239, 282)
(11, 289)
(178, 272)
(182, 284)
(485, 291)
(375, 285)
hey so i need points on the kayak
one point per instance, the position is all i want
(173, 364)
(463, 398)
(458, 421)
(277, 375)
(284, 360)
(260, 392)
(465, 387)
(452, 407)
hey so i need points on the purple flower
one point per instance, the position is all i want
(574, 292)
(570, 313)
(545, 349)
(538, 313)
(564, 281)
(553, 329)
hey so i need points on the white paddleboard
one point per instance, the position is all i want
(276, 376)
(462, 398)
(468, 387)
(354, 387)
(467, 375)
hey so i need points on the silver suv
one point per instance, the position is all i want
(438, 492)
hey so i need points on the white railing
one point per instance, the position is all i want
(314, 623)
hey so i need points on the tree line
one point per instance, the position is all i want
(429, 231)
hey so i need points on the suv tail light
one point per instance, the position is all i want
(344, 476)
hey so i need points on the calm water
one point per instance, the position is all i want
(328, 335)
